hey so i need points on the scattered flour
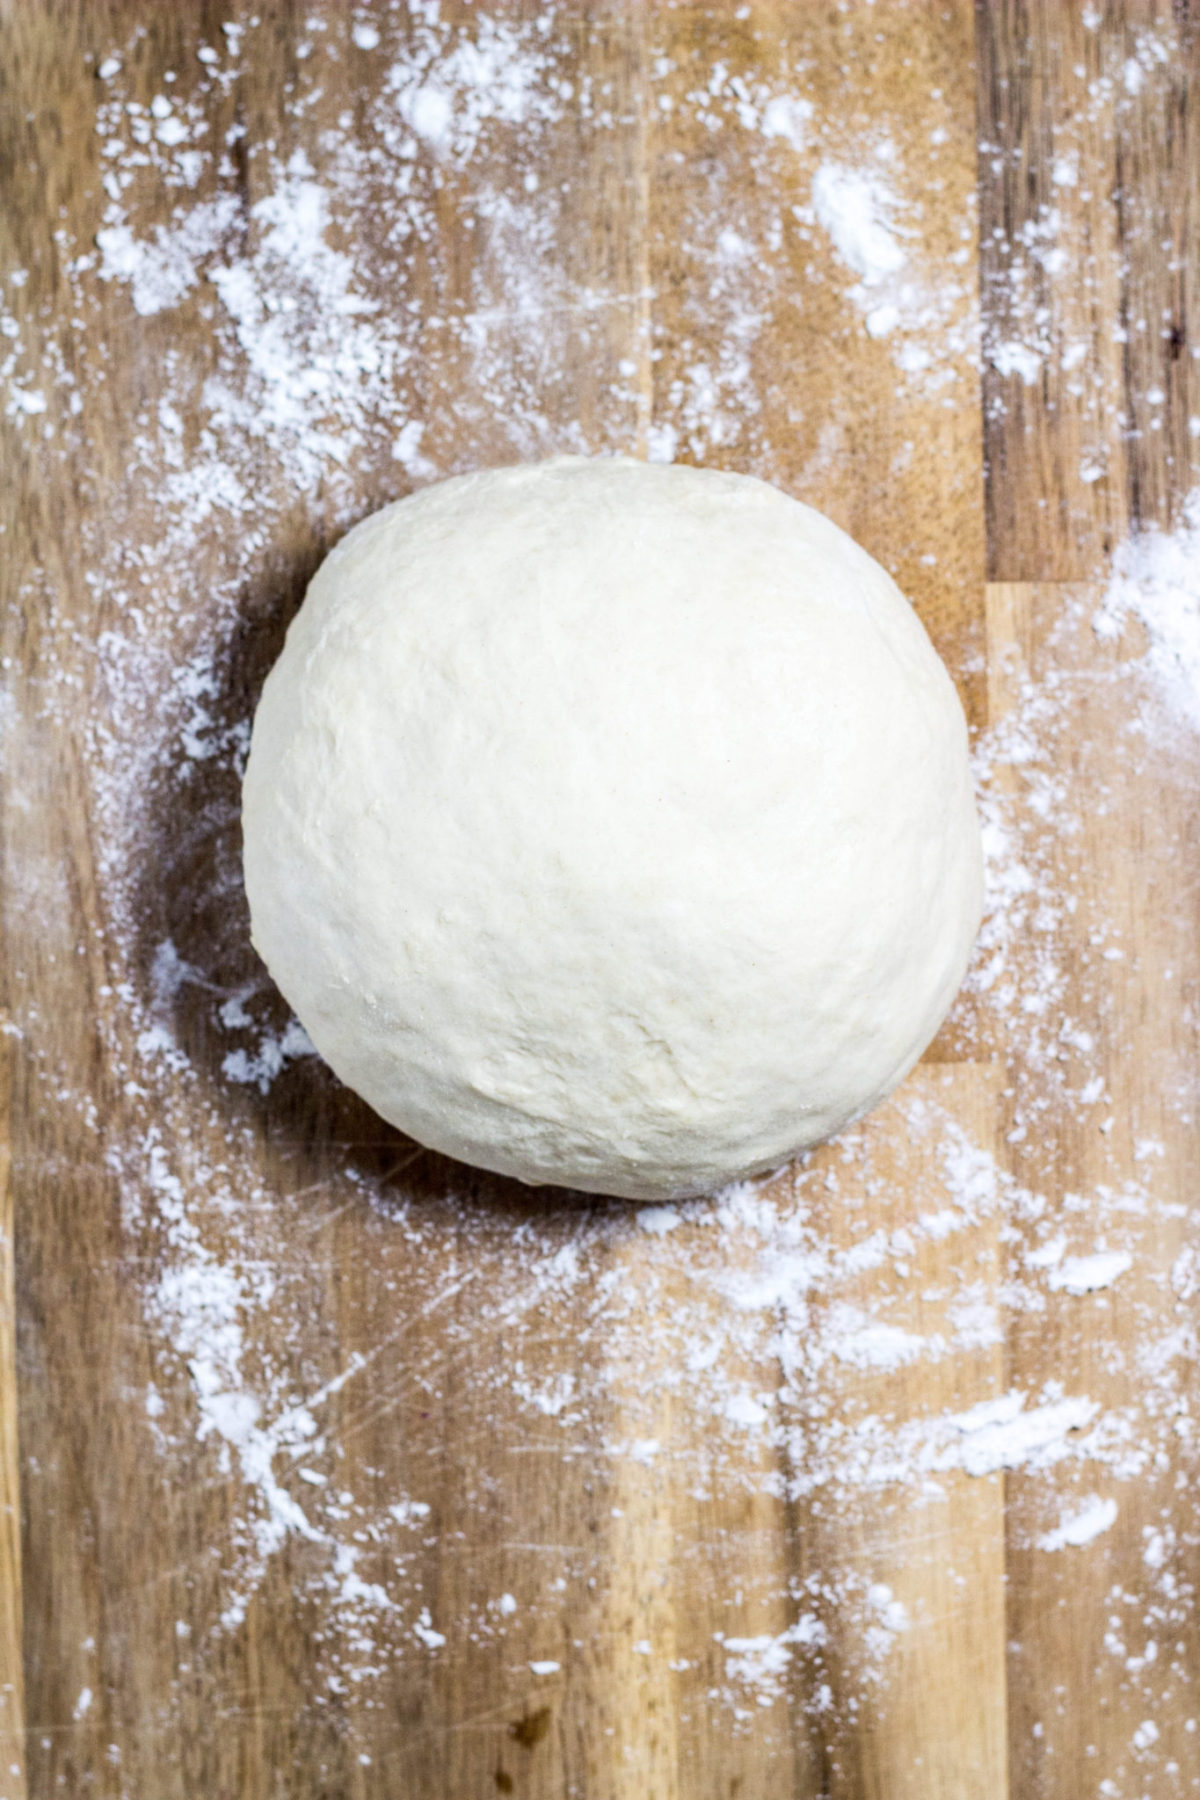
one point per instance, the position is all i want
(763, 1663)
(161, 269)
(781, 1309)
(878, 235)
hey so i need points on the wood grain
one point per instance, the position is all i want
(1117, 1170)
(1088, 213)
(12, 1674)
(532, 1541)
(1088, 174)
(827, 410)
(932, 1548)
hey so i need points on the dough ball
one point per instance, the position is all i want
(611, 825)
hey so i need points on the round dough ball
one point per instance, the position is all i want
(611, 825)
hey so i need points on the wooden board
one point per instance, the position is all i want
(345, 1470)
(1101, 1147)
(1089, 173)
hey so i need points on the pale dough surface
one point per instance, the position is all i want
(611, 825)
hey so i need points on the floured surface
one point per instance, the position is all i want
(415, 1482)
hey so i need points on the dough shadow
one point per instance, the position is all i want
(203, 984)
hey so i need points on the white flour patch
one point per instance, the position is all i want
(878, 235)
(1082, 1525)
(859, 211)
(1008, 1434)
(1014, 358)
(1156, 581)
(763, 1663)
(161, 269)
(1087, 1274)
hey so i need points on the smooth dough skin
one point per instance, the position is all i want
(610, 825)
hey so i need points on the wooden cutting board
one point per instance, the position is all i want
(329, 1467)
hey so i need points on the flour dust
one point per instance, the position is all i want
(775, 1326)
